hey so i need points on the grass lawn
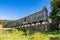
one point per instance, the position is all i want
(13, 34)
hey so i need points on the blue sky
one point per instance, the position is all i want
(16, 9)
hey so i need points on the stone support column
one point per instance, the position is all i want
(46, 26)
(40, 28)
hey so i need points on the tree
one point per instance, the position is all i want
(55, 13)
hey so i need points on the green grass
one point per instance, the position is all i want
(20, 35)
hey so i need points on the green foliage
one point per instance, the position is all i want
(55, 14)
(6, 21)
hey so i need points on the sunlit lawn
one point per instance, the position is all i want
(20, 35)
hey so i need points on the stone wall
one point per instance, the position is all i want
(34, 26)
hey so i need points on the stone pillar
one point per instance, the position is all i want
(46, 25)
(41, 26)
(19, 27)
(29, 26)
(22, 26)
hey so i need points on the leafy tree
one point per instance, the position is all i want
(55, 13)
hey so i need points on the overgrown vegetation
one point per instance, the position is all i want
(29, 35)
(14, 34)
(55, 13)
(6, 21)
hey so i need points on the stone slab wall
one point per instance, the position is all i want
(43, 27)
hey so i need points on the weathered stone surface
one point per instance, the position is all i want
(40, 16)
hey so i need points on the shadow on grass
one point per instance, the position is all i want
(54, 32)
(55, 38)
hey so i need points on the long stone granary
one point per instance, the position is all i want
(37, 19)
